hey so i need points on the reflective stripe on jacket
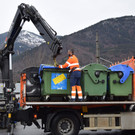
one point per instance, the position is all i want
(72, 62)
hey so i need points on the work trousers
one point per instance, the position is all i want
(75, 79)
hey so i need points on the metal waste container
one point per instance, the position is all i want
(120, 81)
(94, 80)
(54, 82)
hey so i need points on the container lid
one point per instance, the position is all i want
(125, 69)
(42, 66)
(92, 69)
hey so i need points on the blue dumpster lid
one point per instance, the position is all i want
(125, 69)
(42, 66)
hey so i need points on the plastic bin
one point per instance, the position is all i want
(54, 81)
(120, 81)
(32, 82)
(94, 80)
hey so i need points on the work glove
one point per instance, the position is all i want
(57, 65)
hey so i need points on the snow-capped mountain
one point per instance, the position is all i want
(30, 39)
(25, 41)
(116, 40)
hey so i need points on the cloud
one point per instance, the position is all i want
(67, 16)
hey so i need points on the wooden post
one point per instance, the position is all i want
(97, 49)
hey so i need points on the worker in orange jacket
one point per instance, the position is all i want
(75, 75)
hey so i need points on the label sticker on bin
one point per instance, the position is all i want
(59, 81)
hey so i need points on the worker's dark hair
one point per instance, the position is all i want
(71, 50)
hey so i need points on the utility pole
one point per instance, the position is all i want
(97, 49)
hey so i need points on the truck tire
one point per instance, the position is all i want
(65, 124)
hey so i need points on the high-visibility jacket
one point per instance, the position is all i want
(72, 62)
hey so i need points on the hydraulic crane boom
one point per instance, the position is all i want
(25, 13)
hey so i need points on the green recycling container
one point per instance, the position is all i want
(117, 88)
(54, 81)
(94, 80)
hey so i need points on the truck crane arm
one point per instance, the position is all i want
(24, 13)
(27, 13)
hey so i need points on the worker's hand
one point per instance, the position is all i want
(57, 65)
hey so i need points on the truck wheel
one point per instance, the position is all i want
(65, 124)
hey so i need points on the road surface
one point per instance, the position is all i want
(32, 130)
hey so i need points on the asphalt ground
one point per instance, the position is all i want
(33, 130)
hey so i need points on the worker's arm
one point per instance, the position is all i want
(67, 64)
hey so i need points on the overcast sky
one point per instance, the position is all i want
(67, 16)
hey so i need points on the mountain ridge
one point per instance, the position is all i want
(116, 41)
